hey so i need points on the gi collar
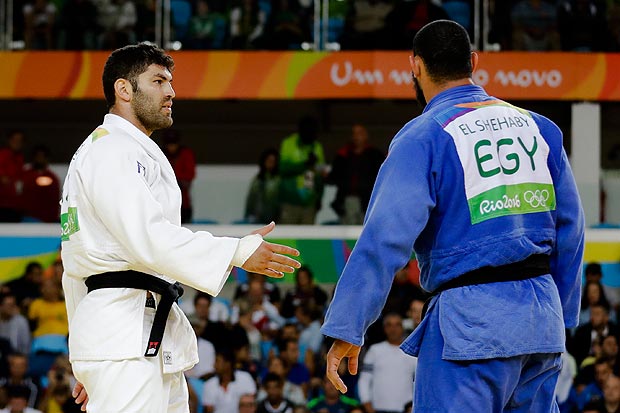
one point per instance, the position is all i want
(457, 92)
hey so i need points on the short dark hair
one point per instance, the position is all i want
(128, 63)
(200, 295)
(594, 268)
(32, 265)
(273, 377)
(445, 48)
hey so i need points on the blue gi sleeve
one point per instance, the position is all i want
(567, 256)
(401, 203)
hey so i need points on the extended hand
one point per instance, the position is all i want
(268, 259)
(339, 350)
(80, 395)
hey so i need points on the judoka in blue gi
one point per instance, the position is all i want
(483, 193)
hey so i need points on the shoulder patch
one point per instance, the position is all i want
(98, 133)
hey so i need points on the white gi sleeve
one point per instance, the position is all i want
(125, 203)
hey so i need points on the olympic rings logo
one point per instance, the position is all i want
(537, 198)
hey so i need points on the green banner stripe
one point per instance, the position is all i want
(511, 200)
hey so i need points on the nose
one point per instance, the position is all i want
(170, 92)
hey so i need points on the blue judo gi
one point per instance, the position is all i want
(472, 182)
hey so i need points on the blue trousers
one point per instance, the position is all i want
(516, 384)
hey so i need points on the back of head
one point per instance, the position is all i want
(445, 48)
(128, 63)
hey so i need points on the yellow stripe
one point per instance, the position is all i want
(602, 252)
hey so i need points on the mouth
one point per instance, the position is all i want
(167, 107)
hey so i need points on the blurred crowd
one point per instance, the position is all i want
(288, 188)
(261, 349)
(536, 25)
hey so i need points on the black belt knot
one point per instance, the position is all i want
(170, 294)
(533, 266)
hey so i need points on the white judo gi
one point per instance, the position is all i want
(120, 210)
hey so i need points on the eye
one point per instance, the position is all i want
(159, 81)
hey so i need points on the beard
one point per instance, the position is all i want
(419, 93)
(149, 113)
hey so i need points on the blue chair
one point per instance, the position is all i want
(181, 15)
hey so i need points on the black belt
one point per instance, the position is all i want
(170, 293)
(531, 267)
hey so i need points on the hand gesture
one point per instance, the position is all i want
(80, 395)
(339, 350)
(269, 260)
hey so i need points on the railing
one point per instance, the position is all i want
(321, 38)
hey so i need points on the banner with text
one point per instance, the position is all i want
(315, 75)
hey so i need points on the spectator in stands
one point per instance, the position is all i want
(305, 292)
(265, 316)
(17, 376)
(310, 336)
(77, 23)
(275, 402)
(331, 401)
(41, 188)
(262, 204)
(582, 25)
(57, 397)
(13, 325)
(593, 293)
(206, 352)
(247, 403)
(28, 286)
(118, 19)
(354, 171)
(534, 25)
(248, 333)
(271, 290)
(564, 387)
(410, 16)
(613, 25)
(146, 18)
(500, 30)
(414, 315)
(247, 24)
(298, 373)
(385, 383)
(11, 166)
(183, 162)
(39, 20)
(18, 401)
(290, 391)
(214, 331)
(48, 314)
(221, 393)
(203, 28)
(594, 390)
(611, 394)
(285, 26)
(598, 327)
(302, 169)
(365, 25)
(402, 291)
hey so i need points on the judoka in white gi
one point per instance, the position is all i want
(121, 211)
(482, 191)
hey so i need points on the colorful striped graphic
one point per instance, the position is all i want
(315, 75)
(326, 257)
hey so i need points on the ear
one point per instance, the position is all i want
(474, 61)
(123, 90)
(415, 62)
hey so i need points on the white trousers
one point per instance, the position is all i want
(132, 386)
